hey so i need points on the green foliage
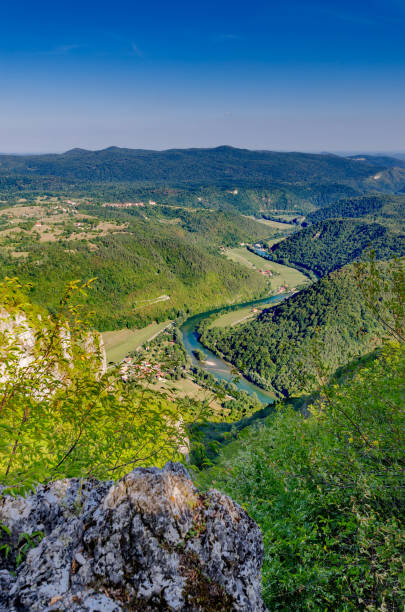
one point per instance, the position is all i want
(205, 178)
(26, 541)
(275, 349)
(211, 227)
(353, 207)
(381, 160)
(16, 547)
(148, 260)
(199, 355)
(328, 245)
(381, 208)
(327, 492)
(60, 415)
(5, 548)
(383, 289)
(187, 165)
(387, 210)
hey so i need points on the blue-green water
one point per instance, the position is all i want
(214, 364)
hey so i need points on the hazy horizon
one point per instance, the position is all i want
(341, 153)
(299, 76)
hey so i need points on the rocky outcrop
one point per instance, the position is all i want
(149, 542)
(26, 337)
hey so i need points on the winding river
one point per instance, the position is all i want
(213, 364)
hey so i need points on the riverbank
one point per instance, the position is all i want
(230, 319)
(278, 275)
(215, 365)
(119, 343)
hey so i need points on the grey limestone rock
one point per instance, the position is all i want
(149, 542)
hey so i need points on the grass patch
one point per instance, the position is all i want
(273, 241)
(185, 387)
(283, 275)
(122, 341)
(243, 256)
(229, 319)
(280, 225)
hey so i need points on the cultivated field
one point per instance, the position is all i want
(283, 276)
(123, 341)
(185, 387)
(243, 256)
(50, 221)
(280, 225)
(229, 319)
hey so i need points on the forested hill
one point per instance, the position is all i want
(135, 262)
(386, 209)
(331, 244)
(276, 348)
(222, 164)
(380, 160)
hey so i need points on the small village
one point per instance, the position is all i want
(144, 370)
(127, 204)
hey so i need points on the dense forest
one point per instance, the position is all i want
(331, 244)
(201, 226)
(247, 198)
(191, 165)
(250, 181)
(380, 160)
(387, 210)
(274, 349)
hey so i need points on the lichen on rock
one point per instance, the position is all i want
(149, 542)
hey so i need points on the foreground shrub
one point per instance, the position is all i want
(328, 493)
(61, 413)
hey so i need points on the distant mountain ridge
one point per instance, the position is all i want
(249, 181)
(389, 161)
(222, 163)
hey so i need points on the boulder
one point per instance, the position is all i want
(149, 542)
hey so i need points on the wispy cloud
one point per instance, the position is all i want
(136, 50)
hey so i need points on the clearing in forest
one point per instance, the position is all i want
(282, 276)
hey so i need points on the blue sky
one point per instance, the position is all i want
(286, 75)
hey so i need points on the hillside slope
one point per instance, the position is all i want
(331, 244)
(245, 180)
(192, 165)
(390, 161)
(276, 349)
(132, 272)
(147, 265)
(387, 210)
(327, 492)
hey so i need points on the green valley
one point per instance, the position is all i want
(241, 312)
(134, 259)
(280, 276)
